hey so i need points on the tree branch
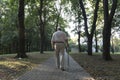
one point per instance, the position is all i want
(114, 6)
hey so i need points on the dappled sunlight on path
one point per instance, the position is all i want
(48, 71)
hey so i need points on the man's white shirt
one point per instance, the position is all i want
(59, 36)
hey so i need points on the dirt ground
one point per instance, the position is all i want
(98, 68)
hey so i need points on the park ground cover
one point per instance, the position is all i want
(11, 68)
(99, 68)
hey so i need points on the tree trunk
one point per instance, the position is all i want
(42, 44)
(89, 35)
(107, 28)
(9, 49)
(17, 47)
(89, 43)
(79, 30)
(79, 46)
(85, 20)
(21, 53)
(106, 46)
(112, 45)
(0, 43)
(96, 44)
(106, 33)
(93, 26)
(42, 27)
(28, 44)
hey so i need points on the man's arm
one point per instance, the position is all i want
(66, 40)
(52, 44)
(52, 41)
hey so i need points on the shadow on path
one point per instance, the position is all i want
(48, 71)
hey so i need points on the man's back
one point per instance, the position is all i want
(59, 36)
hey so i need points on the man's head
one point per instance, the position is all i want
(59, 28)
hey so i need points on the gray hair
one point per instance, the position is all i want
(58, 28)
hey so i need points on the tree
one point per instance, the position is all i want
(96, 44)
(76, 12)
(41, 26)
(78, 29)
(93, 27)
(21, 28)
(58, 16)
(79, 36)
(9, 25)
(108, 17)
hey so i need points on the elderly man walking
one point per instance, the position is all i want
(59, 41)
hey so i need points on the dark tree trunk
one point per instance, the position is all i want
(94, 20)
(27, 47)
(0, 38)
(112, 45)
(9, 48)
(14, 46)
(28, 44)
(89, 43)
(0, 43)
(0, 35)
(89, 36)
(79, 30)
(42, 25)
(42, 44)
(85, 18)
(17, 47)
(96, 44)
(21, 28)
(107, 28)
(79, 46)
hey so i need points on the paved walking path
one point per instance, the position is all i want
(48, 71)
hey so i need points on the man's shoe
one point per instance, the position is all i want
(62, 69)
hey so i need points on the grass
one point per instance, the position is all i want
(99, 68)
(11, 68)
